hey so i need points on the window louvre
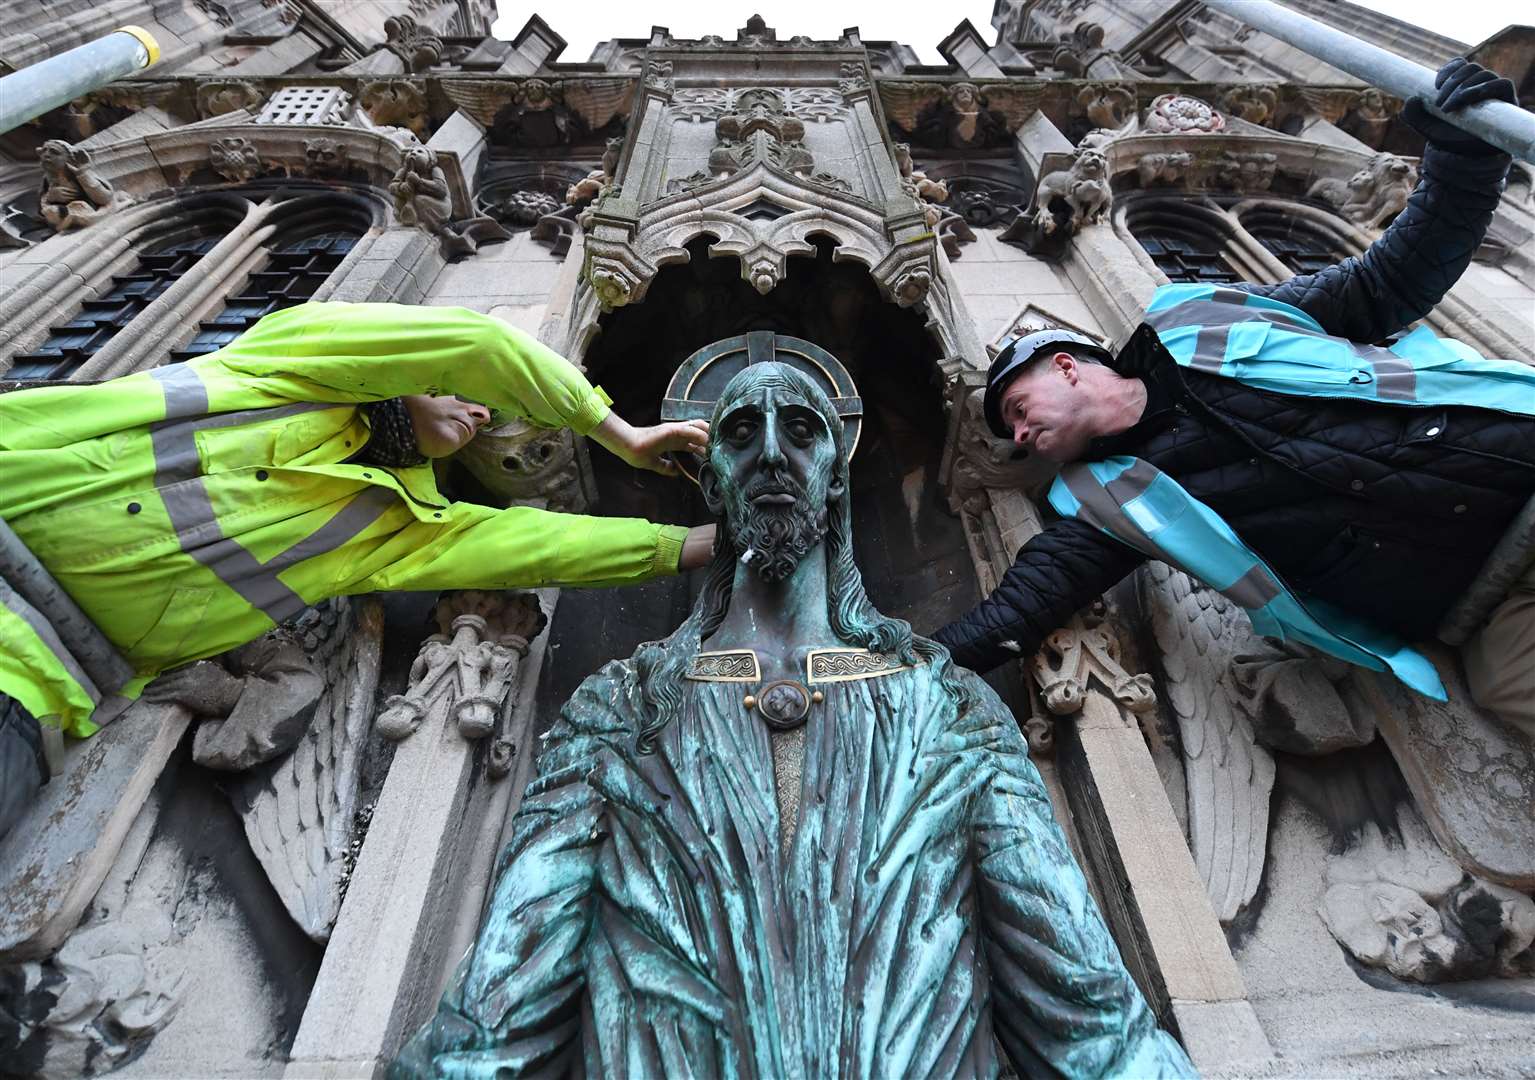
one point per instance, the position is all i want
(1185, 256)
(69, 346)
(291, 275)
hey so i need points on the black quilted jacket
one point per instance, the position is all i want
(1388, 511)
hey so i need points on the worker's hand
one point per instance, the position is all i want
(1460, 83)
(646, 447)
(204, 688)
(698, 548)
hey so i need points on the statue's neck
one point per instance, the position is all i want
(779, 620)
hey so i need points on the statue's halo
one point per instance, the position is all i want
(702, 377)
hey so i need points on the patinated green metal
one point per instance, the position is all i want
(918, 913)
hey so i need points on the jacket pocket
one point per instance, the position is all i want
(164, 644)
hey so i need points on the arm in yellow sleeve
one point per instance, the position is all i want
(519, 548)
(368, 352)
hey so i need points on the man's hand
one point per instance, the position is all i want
(1461, 82)
(646, 447)
(698, 548)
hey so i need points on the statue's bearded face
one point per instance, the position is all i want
(771, 472)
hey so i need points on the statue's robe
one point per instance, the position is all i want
(927, 909)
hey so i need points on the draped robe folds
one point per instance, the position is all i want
(645, 922)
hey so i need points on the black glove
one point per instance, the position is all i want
(1461, 82)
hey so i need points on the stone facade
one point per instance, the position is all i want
(1307, 872)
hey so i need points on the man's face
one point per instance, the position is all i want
(444, 425)
(1044, 408)
(770, 472)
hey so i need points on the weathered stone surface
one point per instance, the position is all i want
(1472, 775)
(1405, 906)
(56, 857)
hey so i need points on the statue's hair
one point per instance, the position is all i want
(660, 664)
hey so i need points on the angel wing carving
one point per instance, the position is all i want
(1228, 775)
(597, 101)
(904, 101)
(480, 98)
(298, 810)
(1016, 103)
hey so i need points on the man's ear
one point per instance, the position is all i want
(709, 488)
(1066, 364)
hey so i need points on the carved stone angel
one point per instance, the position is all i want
(290, 714)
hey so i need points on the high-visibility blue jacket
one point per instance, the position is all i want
(1273, 346)
(1385, 511)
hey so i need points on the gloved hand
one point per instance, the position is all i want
(1461, 82)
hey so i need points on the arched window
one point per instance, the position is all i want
(1184, 254)
(1298, 244)
(290, 276)
(73, 343)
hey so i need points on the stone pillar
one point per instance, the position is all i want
(414, 900)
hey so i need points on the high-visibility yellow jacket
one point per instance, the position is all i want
(190, 508)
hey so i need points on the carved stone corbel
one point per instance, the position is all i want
(658, 77)
(469, 669)
(1107, 105)
(422, 198)
(395, 103)
(1373, 194)
(227, 96)
(1080, 653)
(1255, 103)
(74, 193)
(519, 463)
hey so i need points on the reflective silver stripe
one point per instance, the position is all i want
(1106, 503)
(1253, 589)
(1132, 483)
(1105, 512)
(12, 601)
(1395, 377)
(178, 478)
(185, 394)
(1207, 312)
(1210, 348)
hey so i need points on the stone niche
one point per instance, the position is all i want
(912, 553)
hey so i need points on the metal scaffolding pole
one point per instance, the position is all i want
(1505, 126)
(47, 84)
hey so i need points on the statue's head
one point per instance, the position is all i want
(777, 477)
(777, 466)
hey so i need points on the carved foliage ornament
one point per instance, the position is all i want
(228, 95)
(1254, 103)
(235, 158)
(1084, 651)
(1179, 114)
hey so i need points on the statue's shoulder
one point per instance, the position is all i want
(607, 702)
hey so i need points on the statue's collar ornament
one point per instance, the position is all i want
(785, 703)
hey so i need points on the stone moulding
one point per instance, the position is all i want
(624, 254)
(167, 162)
(1217, 161)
